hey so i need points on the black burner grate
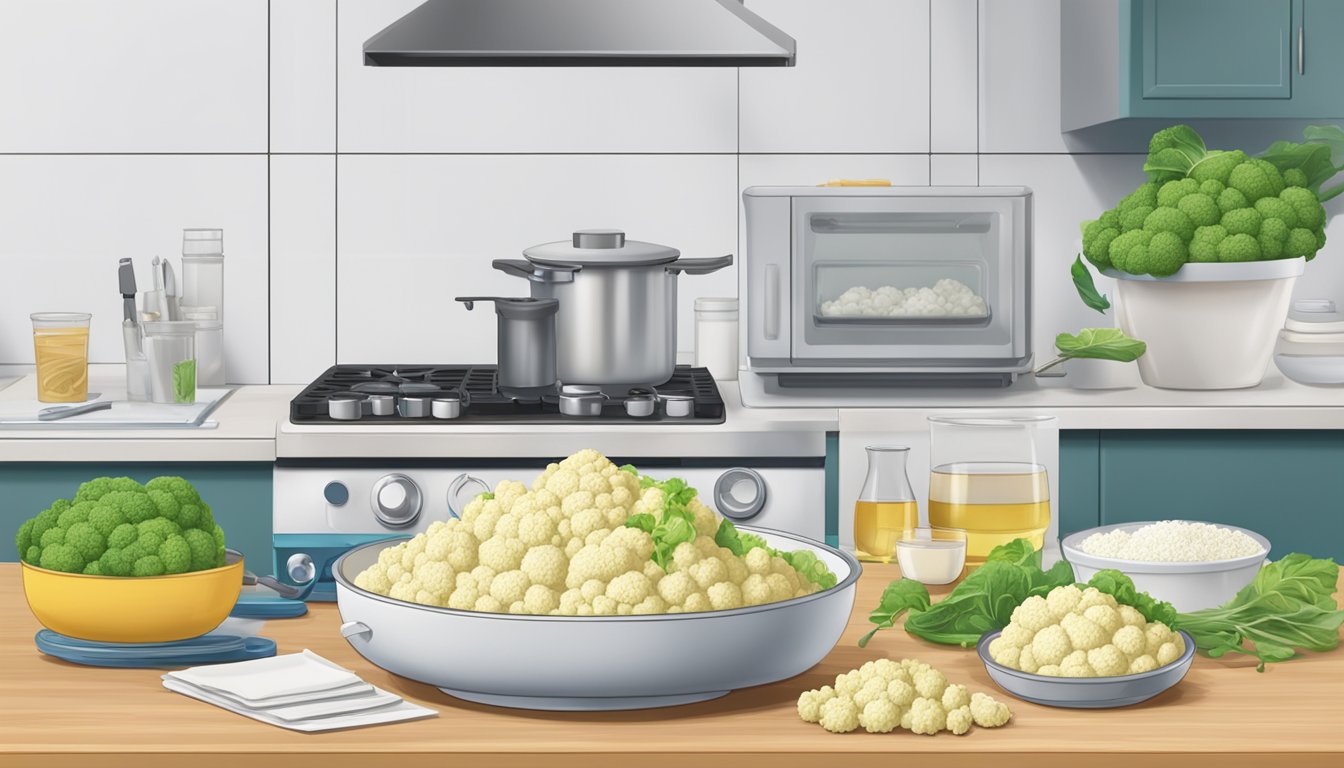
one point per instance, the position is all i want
(486, 404)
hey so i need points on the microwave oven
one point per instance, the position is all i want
(864, 287)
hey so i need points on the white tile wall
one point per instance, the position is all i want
(954, 170)
(133, 76)
(65, 220)
(416, 231)
(303, 76)
(954, 58)
(303, 267)
(505, 109)
(861, 83)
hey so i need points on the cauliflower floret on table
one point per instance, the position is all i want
(1085, 633)
(882, 695)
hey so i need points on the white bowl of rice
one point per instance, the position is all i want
(1190, 564)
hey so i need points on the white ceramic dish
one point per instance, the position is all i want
(1187, 586)
(1314, 370)
(1086, 692)
(596, 662)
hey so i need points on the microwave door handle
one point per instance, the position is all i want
(771, 302)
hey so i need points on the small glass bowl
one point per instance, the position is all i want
(932, 555)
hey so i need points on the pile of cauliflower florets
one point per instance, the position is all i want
(1083, 633)
(884, 695)
(562, 547)
(947, 297)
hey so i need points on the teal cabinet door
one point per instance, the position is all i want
(1317, 86)
(1217, 49)
(1288, 486)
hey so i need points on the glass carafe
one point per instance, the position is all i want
(886, 506)
(987, 478)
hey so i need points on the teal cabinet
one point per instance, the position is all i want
(1191, 59)
(1215, 49)
(1287, 485)
(239, 495)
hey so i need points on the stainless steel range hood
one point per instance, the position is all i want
(580, 33)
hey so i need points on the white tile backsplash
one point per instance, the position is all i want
(1019, 76)
(954, 58)
(861, 83)
(303, 267)
(513, 109)
(133, 76)
(303, 76)
(416, 231)
(65, 220)
(954, 170)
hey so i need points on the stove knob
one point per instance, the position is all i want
(739, 493)
(396, 501)
(336, 493)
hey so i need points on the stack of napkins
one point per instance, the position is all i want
(300, 691)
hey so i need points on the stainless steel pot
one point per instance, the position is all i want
(617, 322)
(526, 346)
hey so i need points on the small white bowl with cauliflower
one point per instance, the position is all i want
(1079, 648)
(594, 589)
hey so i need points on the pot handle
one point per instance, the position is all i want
(536, 273)
(700, 266)
(352, 629)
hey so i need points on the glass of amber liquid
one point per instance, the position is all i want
(61, 348)
(886, 507)
(986, 479)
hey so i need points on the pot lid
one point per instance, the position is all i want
(601, 247)
(1314, 316)
(516, 308)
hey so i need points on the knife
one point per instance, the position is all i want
(126, 277)
(61, 412)
(172, 298)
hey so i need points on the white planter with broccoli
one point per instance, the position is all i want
(1206, 253)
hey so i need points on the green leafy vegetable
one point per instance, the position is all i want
(184, 382)
(1119, 586)
(643, 521)
(1101, 344)
(900, 596)
(803, 561)
(488, 495)
(673, 525)
(629, 469)
(1288, 606)
(1173, 152)
(984, 601)
(1087, 289)
(1319, 158)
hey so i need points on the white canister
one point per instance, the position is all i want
(170, 349)
(716, 337)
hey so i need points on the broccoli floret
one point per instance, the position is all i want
(196, 516)
(86, 540)
(1217, 166)
(202, 547)
(1310, 213)
(1294, 177)
(54, 536)
(34, 555)
(149, 565)
(1143, 195)
(1243, 221)
(99, 487)
(115, 563)
(166, 504)
(133, 505)
(1211, 187)
(219, 546)
(1272, 238)
(1132, 218)
(1231, 200)
(62, 557)
(105, 519)
(175, 554)
(122, 536)
(1169, 194)
(1275, 208)
(79, 513)
(1204, 245)
(1097, 237)
(1301, 242)
(1240, 247)
(1201, 208)
(181, 490)
(1129, 245)
(48, 518)
(24, 538)
(1172, 220)
(1165, 254)
(158, 525)
(1255, 179)
(93, 569)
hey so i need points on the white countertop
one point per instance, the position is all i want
(253, 425)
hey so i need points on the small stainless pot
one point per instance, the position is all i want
(345, 406)
(382, 405)
(678, 406)
(582, 405)
(413, 407)
(449, 407)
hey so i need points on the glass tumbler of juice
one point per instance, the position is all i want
(886, 506)
(987, 480)
(61, 349)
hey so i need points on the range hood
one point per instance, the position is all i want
(580, 33)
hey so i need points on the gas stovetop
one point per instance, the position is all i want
(485, 403)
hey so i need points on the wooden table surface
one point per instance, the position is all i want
(1224, 714)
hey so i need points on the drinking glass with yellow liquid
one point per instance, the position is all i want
(61, 348)
(886, 507)
(986, 479)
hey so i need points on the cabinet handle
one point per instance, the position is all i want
(771, 308)
(1301, 48)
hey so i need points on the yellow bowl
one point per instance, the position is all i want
(149, 609)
